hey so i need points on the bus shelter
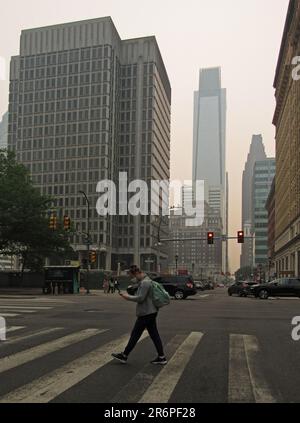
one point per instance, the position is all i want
(62, 280)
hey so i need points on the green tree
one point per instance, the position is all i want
(24, 217)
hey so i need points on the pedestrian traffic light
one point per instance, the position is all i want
(241, 237)
(210, 238)
(93, 257)
(67, 223)
(53, 222)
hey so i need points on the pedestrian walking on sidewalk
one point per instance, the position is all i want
(117, 286)
(105, 285)
(146, 313)
(111, 286)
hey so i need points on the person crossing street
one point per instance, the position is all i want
(146, 313)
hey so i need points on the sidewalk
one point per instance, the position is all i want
(21, 291)
(39, 292)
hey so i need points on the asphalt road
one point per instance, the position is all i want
(220, 349)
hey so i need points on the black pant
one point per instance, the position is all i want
(142, 323)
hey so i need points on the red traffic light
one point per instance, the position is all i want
(241, 237)
(210, 238)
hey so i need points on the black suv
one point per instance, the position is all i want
(285, 287)
(179, 287)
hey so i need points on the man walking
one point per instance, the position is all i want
(146, 317)
(117, 286)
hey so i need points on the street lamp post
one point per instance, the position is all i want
(87, 243)
(159, 244)
(176, 260)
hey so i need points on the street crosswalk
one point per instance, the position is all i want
(15, 306)
(246, 381)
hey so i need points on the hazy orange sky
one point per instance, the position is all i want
(241, 36)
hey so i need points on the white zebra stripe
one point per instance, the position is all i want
(15, 360)
(55, 383)
(165, 382)
(14, 328)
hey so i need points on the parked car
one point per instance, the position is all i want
(284, 287)
(242, 289)
(179, 287)
(199, 285)
(208, 286)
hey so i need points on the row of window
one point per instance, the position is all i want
(57, 130)
(74, 55)
(64, 117)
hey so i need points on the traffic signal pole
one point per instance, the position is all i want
(216, 238)
(87, 243)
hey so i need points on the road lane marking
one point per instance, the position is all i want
(239, 383)
(30, 335)
(261, 389)
(48, 387)
(14, 328)
(247, 383)
(137, 386)
(30, 311)
(15, 360)
(6, 307)
(9, 315)
(165, 382)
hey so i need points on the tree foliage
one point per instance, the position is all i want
(24, 216)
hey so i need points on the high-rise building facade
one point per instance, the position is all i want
(209, 147)
(209, 152)
(4, 131)
(256, 153)
(287, 123)
(85, 105)
(270, 206)
(196, 256)
(263, 176)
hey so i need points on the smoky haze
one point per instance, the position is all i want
(242, 37)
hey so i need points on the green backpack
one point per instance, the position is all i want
(160, 297)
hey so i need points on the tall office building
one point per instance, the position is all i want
(209, 160)
(83, 106)
(4, 131)
(263, 176)
(256, 153)
(287, 123)
(209, 152)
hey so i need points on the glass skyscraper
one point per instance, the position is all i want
(209, 152)
(263, 175)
